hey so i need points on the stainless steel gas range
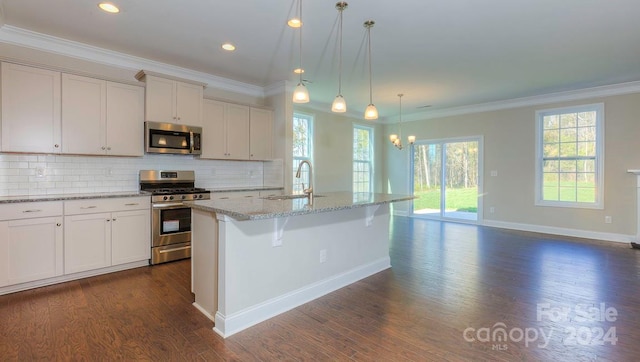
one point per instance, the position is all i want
(170, 217)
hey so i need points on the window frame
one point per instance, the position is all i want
(371, 160)
(598, 108)
(295, 160)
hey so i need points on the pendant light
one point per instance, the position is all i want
(396, 139)
(339, 104)
(371, 112)
(300, 93)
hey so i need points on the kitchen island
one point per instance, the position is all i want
(255, 258)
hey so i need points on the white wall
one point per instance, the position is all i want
(333, 151)
(509, 148)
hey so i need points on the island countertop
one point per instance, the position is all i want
(262, 208)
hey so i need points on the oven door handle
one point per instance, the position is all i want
(174, 249)
(168, 206)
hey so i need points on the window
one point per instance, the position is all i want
(569, 171)
(302, 149)
(362, 159)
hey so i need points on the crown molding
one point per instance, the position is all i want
(29, 39)
(574, 95)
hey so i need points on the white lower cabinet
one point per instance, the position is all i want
(98, 234)
(30, 249)
(46, 242)
(87, 242)
(130, 236)
(30, 241)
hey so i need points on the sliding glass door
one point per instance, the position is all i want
(445, 178)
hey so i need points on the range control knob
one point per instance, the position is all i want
(170, 197)
(164, 198)
(199, 196)
(183, 197)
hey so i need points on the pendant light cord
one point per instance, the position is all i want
(340, 61)
(370, 82)
(300, 17)
(400, 123)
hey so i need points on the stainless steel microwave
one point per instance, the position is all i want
(172, 138)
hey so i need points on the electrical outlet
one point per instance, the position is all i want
(494, 173)
(323, 255)
(40, 171)
(492, 209)
(607, 220)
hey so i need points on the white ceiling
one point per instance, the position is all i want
(441, 53)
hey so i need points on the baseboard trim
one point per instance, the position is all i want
(203, 311)
(227, 325)
(75, 276)
(586, 234)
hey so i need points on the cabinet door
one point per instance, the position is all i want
(83, 115)
(125, 120)
(160, 104)
(189, 104)
(213, 130)
(30, 109)
(87, 242)
(260, 134)
(30, 249)
(130, 236)
(237, 125)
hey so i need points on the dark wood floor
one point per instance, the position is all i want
(450, 288)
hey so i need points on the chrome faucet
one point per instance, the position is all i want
(308, 191)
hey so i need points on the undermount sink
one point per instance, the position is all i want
(288, 197)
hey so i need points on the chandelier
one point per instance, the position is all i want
(396, 139)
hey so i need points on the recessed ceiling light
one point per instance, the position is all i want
(229, 47)
(298, 70)
(109, 7)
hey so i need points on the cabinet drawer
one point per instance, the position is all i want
(91, 206)
(29, 210)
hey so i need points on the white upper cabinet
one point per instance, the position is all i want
(101, 117)
(214, 137)
(236, 132)
(84, 103)
(225, 131)
(261, 134)
(237, 121)
(125, 120)
(30, 109)
(172, 101)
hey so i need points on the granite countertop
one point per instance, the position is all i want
(260, 208)
(238, 189)
(64, 197)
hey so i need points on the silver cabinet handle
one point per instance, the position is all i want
(103, 148)
(132, 204)
(114, 219)
(108, 148)
(58, 224)
(87, 207)
(56, 146)
(35, 210)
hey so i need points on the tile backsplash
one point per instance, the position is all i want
(35, 174)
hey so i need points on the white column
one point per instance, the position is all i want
(637, 173)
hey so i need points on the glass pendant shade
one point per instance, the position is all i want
(371, 112)
(393, 137)
(412, 139)
(300, 94)
(339, 105)
(294, 22)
